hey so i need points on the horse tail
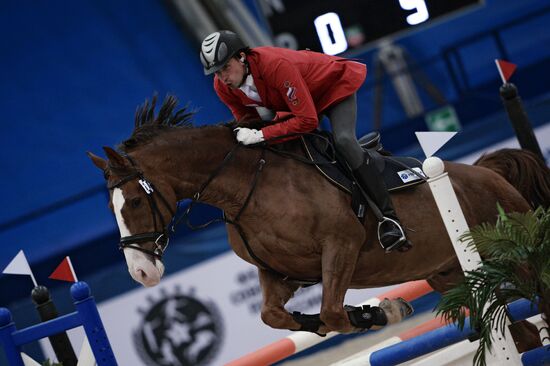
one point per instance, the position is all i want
(526, 171)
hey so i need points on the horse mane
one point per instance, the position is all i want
(524, 170)
(147, 125)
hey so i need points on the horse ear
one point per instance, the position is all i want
(99, 162)
(115, 159)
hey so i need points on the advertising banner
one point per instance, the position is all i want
(208, 314)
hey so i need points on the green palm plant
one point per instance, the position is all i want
(516, 264)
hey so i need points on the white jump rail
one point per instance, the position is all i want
(428, 342)
(299, 341)
(455, 223)
(362, 357)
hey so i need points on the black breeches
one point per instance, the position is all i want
(342, 117)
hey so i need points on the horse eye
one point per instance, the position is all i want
(136, 202)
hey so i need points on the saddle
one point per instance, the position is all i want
(398, 172)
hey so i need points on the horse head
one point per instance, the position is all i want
(165, 160)
(143, 209)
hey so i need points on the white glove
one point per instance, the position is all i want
(247, 136)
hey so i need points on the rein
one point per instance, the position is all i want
(331, 158)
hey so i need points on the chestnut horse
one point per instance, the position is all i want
(282, 215)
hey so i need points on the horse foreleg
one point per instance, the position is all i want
(275, 294)
(338, 265)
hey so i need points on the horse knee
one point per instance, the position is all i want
(275, 318)
(267, 316)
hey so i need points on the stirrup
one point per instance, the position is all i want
(402, 239)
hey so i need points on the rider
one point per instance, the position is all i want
(257, 83)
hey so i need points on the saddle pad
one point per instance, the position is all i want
(395, 170)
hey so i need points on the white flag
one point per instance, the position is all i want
(433, 141)
(20, 266)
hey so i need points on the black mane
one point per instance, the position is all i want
(147, 125)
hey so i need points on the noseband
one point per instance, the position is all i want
(160, 238)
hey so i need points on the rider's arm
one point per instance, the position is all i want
(239, 111)
(293, 89)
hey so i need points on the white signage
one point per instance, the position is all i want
(208, 314)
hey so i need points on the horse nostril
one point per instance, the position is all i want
(141, 273)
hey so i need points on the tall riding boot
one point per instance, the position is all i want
(390, 233)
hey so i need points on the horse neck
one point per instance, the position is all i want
(186, 158)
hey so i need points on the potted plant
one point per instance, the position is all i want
(516, 264)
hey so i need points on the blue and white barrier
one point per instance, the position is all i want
(86, 315)
(436, 339)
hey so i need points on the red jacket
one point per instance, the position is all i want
(304, 83)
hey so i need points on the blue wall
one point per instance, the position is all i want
(73, 72)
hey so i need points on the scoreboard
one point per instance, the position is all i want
(337, 26)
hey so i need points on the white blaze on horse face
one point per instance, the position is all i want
(141, 268)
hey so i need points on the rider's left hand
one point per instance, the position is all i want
(247, 136)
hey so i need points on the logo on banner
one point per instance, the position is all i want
(179, 329)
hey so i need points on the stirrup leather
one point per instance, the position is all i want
(399, 241)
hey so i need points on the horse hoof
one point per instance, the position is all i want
(396, 310)
(405, 308)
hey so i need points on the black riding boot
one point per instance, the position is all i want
(390, 233)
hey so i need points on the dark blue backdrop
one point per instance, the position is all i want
(73, 72)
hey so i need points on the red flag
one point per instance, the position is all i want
(64, 271)
(505, 69)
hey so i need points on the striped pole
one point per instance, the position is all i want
(431, 341)
(359, 357)
(299, 341)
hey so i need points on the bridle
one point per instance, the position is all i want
(162, 238)
(158, 237)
